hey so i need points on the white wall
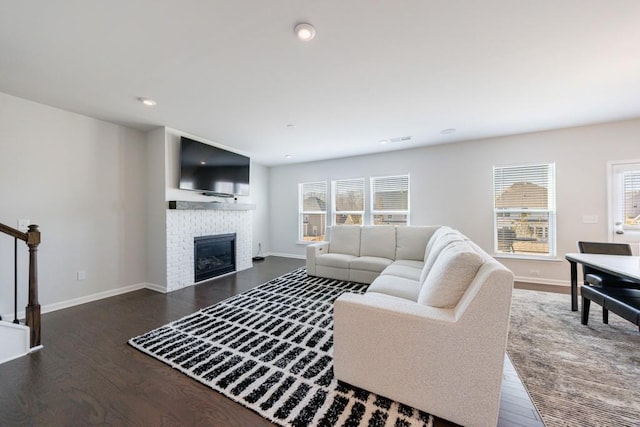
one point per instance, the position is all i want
(452, 184)
(258, 190)
(260, 176)
(83, 182)
(156, 223)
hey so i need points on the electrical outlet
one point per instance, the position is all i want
(534, 273)
(81, 275)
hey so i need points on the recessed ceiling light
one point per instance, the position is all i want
(305, 32)
(288, 156)
(447, 131)
(383, 141)
(148, 102)
(290, 126)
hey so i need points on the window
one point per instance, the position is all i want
(348, 201)
(390, 200)
(524, 209)
(312, 202)
(631, 199)
(624, 201)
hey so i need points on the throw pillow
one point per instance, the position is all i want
(450, 276)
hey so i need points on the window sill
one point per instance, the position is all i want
(308, 242)
(518, 257)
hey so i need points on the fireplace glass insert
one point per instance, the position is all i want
(214, 255)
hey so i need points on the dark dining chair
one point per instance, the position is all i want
(597, 278)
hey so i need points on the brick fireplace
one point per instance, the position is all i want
(191, 221)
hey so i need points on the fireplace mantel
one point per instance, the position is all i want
(220, 206)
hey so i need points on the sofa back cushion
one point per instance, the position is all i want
(436, 246)
(439, 233)
(411, 241)
(378, 241)
(451, 274)
(345, 239)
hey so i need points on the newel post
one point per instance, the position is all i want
(33, 307)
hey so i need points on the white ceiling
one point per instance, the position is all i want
(233, 72)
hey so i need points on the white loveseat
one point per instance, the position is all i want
(429, 332)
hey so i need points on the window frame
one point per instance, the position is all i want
(302, 212)
(550, 211)
(618, 230)
(373, 212)
(334, 200)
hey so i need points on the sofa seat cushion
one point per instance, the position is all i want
(378, 241)
(370, 263)
(345, 239)
(406, 271)
(409, 263)
(450, 276)
(396, 286)
(335, 260)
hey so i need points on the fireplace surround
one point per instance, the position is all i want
(186, 222)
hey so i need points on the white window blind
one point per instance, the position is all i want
(348, 201)
(390, 200)
(631, 191)
(524, 209)
(312, 218)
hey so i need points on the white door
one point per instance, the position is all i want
(624, 202)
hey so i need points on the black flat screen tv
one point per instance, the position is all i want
(212, 170)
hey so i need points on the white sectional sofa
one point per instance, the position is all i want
(431, 330)
(362, 253)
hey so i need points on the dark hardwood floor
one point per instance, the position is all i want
(87, 374)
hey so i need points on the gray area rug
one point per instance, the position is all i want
(576, 375)
(270, 349)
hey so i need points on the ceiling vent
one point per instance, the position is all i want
(401, 139)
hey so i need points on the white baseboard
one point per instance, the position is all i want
(90, 298)
(48, 308)
(542, 281)
(154, 287)
(286, 255)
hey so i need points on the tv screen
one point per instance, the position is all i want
(213, 170)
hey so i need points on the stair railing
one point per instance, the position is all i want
(32, 312)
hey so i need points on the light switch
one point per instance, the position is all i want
(23, 224)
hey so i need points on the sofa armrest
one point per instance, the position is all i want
(439, 360)
(313, 251)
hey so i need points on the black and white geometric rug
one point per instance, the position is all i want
(270, 349)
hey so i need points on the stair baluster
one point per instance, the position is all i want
(15, 281)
